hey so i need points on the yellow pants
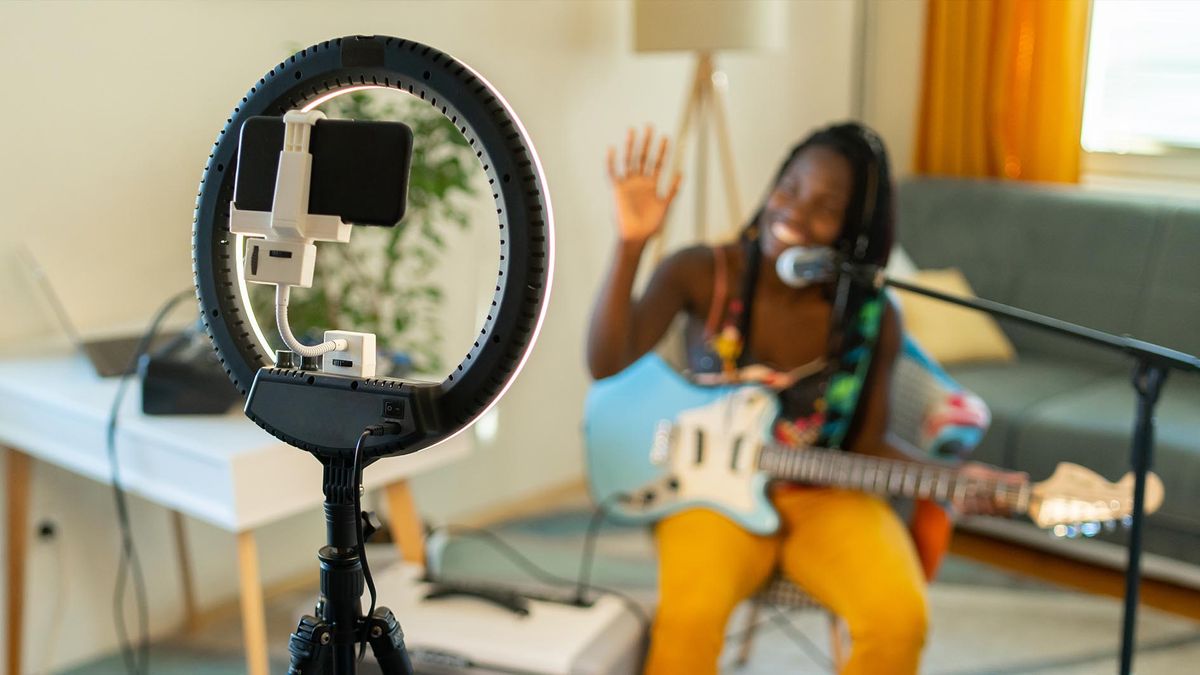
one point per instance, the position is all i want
(846, 549)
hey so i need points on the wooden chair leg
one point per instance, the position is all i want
(747, 641)
(405, 522)
(191, 614)
(16, 536)
(837, 642)
(254, 621)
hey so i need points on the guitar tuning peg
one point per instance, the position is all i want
(1090, 529)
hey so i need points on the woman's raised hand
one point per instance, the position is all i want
(641, 210)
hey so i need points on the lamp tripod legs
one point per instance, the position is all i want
(704, 112)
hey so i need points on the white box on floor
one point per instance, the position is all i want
(468, 635)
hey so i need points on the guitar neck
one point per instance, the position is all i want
(867, 473)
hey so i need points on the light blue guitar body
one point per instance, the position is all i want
(623, 414)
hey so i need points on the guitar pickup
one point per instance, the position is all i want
(660, 450)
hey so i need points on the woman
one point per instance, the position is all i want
(827, 349)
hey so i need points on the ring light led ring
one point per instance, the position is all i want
(345, 406)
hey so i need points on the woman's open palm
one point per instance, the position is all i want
(641, 210)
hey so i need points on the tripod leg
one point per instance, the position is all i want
(387, 643)
(309, 647)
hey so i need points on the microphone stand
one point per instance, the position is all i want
(1152, 363)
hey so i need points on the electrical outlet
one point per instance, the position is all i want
(47, 530)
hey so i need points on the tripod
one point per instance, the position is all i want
(325, 644)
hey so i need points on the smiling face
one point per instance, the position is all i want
(808, 205)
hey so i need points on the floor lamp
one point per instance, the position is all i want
(705, 28)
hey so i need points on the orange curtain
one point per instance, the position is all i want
(1003, 89)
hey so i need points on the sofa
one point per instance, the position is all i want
(1118, 263)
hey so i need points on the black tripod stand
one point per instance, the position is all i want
(325, 644)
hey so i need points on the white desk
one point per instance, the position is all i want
(221, 469)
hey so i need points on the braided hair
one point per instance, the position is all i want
(866, 237)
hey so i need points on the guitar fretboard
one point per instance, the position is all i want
(879, 475)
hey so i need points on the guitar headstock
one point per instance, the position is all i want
(1075, 500)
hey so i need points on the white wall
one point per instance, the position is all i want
(110, 110)
(895, 33)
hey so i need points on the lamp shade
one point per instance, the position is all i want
(707, 25)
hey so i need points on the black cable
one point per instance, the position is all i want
(599, 514)
(535, 571)
(130, 564)
(360, 545)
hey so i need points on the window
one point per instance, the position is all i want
(1141, 109)
(1143, 80)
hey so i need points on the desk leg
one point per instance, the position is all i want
(254, 620)
(405, 522)
(191, 617)
(16, 535)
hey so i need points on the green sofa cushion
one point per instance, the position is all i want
(1171, 309)
(1012, 390)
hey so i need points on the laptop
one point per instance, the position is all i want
(109, 355)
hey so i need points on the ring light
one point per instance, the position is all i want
(325, 413)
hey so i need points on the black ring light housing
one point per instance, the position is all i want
(326, 413)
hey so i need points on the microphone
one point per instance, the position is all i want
(802, 266)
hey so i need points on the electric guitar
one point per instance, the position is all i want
(658, 444)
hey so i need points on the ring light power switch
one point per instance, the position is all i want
(356, 360)
(395, 410)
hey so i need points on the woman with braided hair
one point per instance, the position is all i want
(827, 349)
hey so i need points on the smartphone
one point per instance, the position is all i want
(359, 170)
